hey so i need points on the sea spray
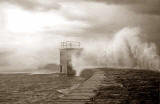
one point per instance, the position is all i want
(127, 48)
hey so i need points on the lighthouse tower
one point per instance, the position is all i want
(67, 50)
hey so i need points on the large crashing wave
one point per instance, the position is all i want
(128, 48)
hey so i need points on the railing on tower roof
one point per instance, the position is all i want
(70, 44)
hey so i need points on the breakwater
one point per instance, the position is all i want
(116, 86)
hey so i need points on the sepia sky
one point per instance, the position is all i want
(30, 27)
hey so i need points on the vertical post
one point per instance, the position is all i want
(60, 68)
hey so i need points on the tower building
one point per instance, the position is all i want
(67, 50)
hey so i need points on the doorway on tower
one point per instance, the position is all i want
(60, 68)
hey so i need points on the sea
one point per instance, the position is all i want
(23, 88)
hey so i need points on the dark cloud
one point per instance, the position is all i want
(139, 6)
(126, 1)
(153, 9)
(145, 15)
(34, 4)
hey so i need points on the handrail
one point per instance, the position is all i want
(70, 44)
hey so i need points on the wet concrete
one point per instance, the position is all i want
(85, 92)
(120, 86)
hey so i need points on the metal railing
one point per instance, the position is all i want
(70, 44)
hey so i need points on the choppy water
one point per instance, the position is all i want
(27, 89)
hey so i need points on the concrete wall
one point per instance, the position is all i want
(116, 86)
(66, 59)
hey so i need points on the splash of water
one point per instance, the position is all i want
(126, 49)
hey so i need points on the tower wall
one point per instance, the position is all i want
(66, 60)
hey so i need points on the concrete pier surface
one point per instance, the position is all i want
(85, 92)
(116, 86)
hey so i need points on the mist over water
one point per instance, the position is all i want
(30, 53)
(127, 48)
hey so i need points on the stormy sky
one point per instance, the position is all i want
(31, 30)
